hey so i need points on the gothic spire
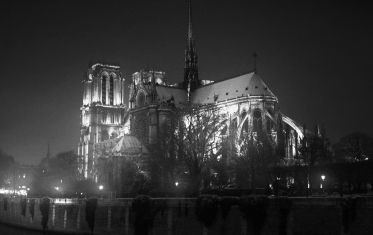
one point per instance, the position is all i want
(191, 81)
(190, 30)
(255, 56)
(48, 151)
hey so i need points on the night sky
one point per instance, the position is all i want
(315, 56)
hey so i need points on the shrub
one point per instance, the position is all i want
(207, 207)
(32, 208)
(348, 205)
(254, 210)
(226, 203)
(23, 206)
(44, 209)
(284, 207)
(90, 211)
(144, 210)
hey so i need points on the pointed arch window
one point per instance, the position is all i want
(111, 90)
(257, 120)
(103, 90)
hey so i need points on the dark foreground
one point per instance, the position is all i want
(8, 230)
(183, 216)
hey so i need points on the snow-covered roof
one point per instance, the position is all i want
(165, 93)
(249, 84)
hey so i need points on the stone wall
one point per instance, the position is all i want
(298, 216)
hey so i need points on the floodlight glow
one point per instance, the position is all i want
(101, 187)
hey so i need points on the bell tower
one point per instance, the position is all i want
(102, 112)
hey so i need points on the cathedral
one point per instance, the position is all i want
(112, 129)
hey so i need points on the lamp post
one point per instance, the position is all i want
(101, 188)
(323, 177)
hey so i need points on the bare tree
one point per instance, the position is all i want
(198, 140)
(354, 147)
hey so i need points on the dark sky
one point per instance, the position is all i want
(316, 56)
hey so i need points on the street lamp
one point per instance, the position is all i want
(176, 183)
(323, 177)
(101, 187)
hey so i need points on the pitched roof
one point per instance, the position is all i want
(128, 144)
(165, 94)
(249, 84)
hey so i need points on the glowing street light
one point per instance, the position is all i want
(323, 177)
(176, 183)
(100, 187)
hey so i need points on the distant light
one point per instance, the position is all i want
(61, 180)
(57, 188)
(278, 178)
(323, 177)
(367, 158)
(23, 186)
(16, 192)
(24, 175)
(63, 201)
(101, 187)
(176, 183)
(28, 189)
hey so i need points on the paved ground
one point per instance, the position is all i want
(9, 230)
(6, 229)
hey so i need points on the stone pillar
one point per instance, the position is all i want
(109, 217)
(78, 217)
(122, 91)
(169, 221)
(126, 219)
(243, 226)
(64, 219)
(53, 214)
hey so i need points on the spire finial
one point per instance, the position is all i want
(191, 80)
(255, 56)
(190, 30)
(48, 150)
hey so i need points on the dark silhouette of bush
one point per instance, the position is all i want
(5, 204)
(90, 212)
(207, 207)
(284, 207)
(44, 209)
(226, 203)
(23, 206)
(32, 208)
(349, 206)
(143, 212)
(254, 210)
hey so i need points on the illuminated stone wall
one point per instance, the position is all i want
(102, 112)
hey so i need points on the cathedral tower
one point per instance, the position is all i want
(191, 80)
(102, 112)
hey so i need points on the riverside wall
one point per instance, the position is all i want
(299, 216)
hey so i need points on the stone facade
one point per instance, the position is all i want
(102, 112)
(247, 102)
